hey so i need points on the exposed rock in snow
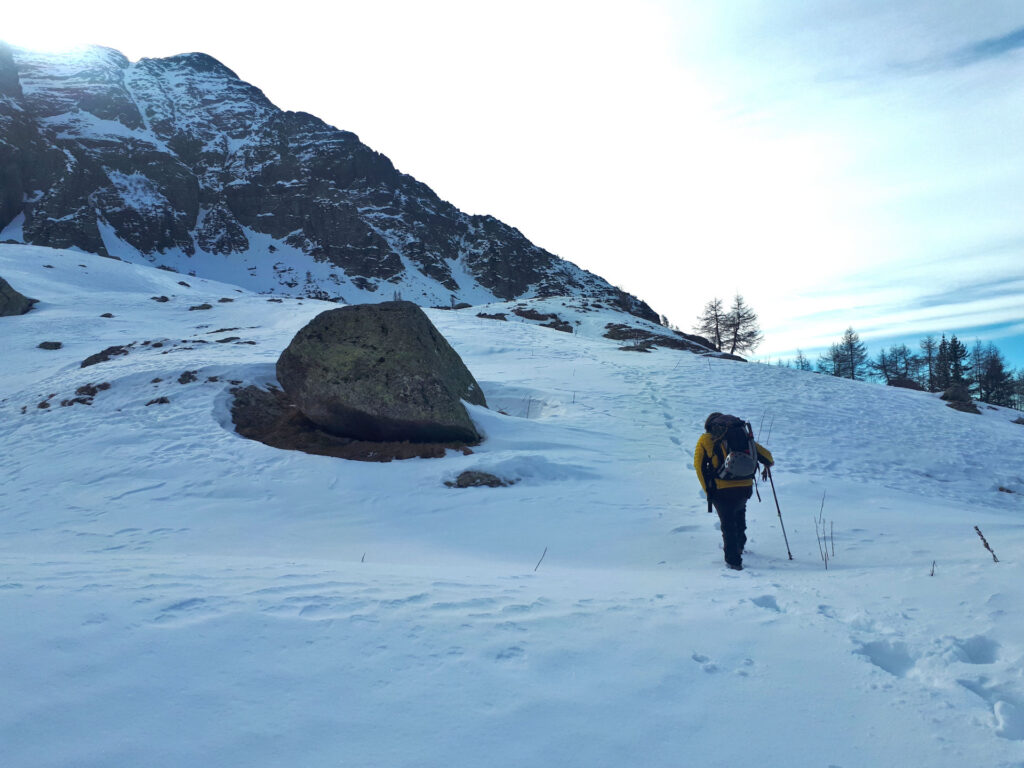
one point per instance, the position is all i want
(12, 302)
(380, 372)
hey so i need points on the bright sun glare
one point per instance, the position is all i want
(55, 31)
(44, 40)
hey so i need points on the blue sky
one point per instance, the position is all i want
(839, 163)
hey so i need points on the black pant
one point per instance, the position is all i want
(731, 505)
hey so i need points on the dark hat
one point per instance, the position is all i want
(709, 419)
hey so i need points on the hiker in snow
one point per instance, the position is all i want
(726, 460)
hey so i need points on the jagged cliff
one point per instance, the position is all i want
(178, 162)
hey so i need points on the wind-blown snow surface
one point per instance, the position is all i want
(175, 595)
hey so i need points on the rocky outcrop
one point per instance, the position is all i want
(640, 339)
(957, 393)
(905, 382)
(380, 372)
(12, 302)
(472, 478)
(958, 397)
(178, 162)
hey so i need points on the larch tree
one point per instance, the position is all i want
(929, 350)
(942, 381)
(712, 322)
(830, 361)
(883, 366)
(801, 362)
(853, 355)
(905, 363)
(958, 355)
(742, 332)
(994, 381)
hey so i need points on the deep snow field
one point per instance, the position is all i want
(175, 595)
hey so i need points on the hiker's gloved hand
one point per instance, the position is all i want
(764, 474)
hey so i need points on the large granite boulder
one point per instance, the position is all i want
(12, 302)
(380, 372)
(957, 393)
(959, 397)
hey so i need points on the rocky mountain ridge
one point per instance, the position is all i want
(177, 162)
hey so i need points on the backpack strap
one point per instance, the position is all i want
(722, 448)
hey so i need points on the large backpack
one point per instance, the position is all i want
(735, 439)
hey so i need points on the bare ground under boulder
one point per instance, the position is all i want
(270, 417)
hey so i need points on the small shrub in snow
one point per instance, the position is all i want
(985, 542)
(825, 531)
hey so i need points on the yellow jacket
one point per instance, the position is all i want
(706, 447)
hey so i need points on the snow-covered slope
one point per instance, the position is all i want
(176, 595)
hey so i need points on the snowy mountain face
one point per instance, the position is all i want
(176, 595)
(176, 162)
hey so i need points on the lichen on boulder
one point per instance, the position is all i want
(380, 372)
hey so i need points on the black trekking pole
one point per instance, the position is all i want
(707, 470)
(784, 536)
